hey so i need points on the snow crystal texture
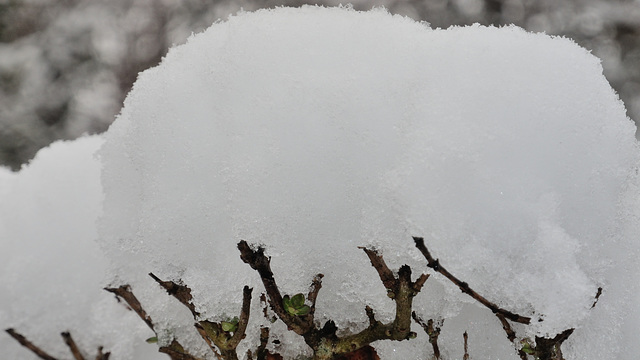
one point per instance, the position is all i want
(314, 131)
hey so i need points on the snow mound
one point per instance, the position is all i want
(317, 130)
(52, 269)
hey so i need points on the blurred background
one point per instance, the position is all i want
(67, 65)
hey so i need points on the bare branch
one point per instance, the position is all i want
(175, 349)
(417, 286)
(386, 275)
(213, 333)
(126, 294)
(177, 352)
(597, 297)
(511, 335)
(180, 292)
(464, 287)
(313, 292)
(301, 325)
(101, 355)
(549, 349)
(238, 335)
(324, 342)
(206, 337)
(432, 331)
(465, 336)
(72, 346)
(29, 345)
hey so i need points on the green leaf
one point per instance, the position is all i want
(152, 340)
(291, 310)
(297, 301)
(303, 310)
(286, 301)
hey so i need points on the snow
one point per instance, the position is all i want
(317, 130)
(52, 269)
(314, 131)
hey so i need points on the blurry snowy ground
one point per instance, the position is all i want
(65, 66)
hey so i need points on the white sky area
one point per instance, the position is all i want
(314, 131)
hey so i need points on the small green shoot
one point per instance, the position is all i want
(152, 340)
(295, 305)
(231, 325)
(526, 348)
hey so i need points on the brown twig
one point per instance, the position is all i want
(101, 355)
(549, 349)
(301, 325)
(511, 335)
(598, 293)
(239, 333)
(402, 290)
(175, 350)
(72, 346)
(432, 331)
(29, 345)
(75, 351)
(316, 285)
(124, 292)
(364, 353)
(464, 287)
(180, 292)
(324, 342)
(212, 332)
(465, 336)
(262, 353)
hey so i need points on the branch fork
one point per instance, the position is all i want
(324, 341)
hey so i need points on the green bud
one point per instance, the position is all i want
(297, 301)
(526, 348)
(231, 325)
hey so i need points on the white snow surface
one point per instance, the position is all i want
(51, 268)
(313, 131)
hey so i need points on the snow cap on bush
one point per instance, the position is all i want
(317, 130)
